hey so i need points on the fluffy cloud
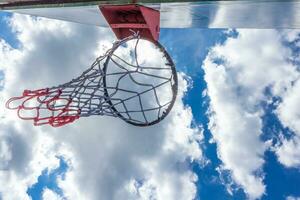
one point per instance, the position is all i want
(237, 75)
(289, 114)
(289, 151)
(107, 158)
(292, 198)
(28, 152)
(50, 195)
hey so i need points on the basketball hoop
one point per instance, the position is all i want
(124, 83)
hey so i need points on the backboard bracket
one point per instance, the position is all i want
(124, 19)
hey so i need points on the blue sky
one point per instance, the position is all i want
(280, 181)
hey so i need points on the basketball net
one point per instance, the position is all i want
(135, 80)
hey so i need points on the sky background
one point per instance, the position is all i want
(234, 132)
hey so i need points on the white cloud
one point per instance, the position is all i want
(250, 63)
(289, 152)
(5, 153)
(50, 195)
(287, 110)
(28, 152)
(105, 155)
(292, 198)
(290, 35)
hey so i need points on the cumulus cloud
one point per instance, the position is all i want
(237, 75)
(288, 112)
(50, 195)
(292, 198)
(28, 152)
(288, 152)
(107, 158)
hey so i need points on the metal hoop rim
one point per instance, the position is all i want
(174, 86)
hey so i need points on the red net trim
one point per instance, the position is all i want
(36, 102)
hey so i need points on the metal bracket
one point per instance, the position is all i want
(123, 19)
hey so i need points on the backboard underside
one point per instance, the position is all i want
(173, 13)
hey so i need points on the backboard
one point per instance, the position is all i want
(173, 13)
